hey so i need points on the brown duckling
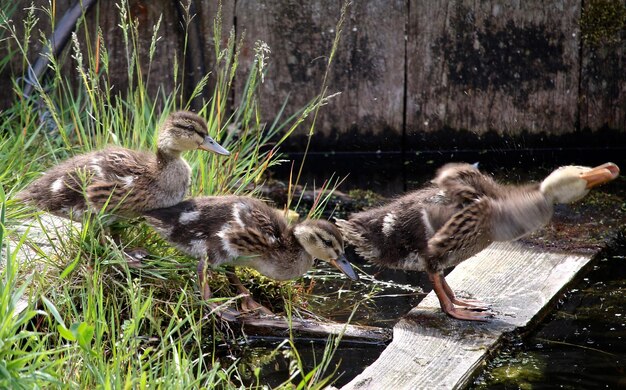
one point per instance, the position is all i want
(127, 181)
(464, 211)
(244, 231)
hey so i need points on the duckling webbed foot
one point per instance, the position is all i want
(473, 304)
(447, 305)
(225, 313)
(248, 304)
(135, 256)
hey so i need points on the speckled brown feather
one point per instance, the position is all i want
(128, 182)
(465, 234)
(101, 176)
(441, 225)
(221, 229)
(408, 238)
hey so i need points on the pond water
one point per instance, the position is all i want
(581, 345)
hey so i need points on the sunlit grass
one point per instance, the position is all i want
(74, 315)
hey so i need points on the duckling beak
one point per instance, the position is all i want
(210, 145)
(343, 265)
(600, 174)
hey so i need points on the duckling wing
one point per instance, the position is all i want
(122, 179)
(61, 189)
(250, 241)
(258, 231)
(101, 177)
(466, 233)
(266, 221)
(479, 224)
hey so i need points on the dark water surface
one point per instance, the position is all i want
(582, 345)
(389, 173)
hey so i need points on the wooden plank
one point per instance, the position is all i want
(206, 12)
(368, 68)
(168, 51)
(44, 233)
(106, 16)
(16, 67)
(491, 65)
(431, 350)
(279, 326)
(603, 80)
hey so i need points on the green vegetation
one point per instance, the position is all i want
(89, 320)
(603, 22)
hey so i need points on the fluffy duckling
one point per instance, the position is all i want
(464, 211)
(244, 231)
(127, 181)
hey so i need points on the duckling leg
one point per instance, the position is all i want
(448, 307)
(134, 256)
(248, 304)
(223, 312)
(468, 303)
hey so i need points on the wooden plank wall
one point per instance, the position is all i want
(412, 74)
(368, 69)
(603, 76)
(493, 65)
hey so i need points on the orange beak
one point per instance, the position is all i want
(601, 174)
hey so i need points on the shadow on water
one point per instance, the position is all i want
(585, 335)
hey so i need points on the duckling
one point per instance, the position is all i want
(126, 181)
(244, 231)
(459, 215)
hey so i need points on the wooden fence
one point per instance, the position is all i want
(412, 74)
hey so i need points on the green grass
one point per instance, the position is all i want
(89, 320)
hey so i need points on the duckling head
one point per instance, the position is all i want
(455, 172)
(322, 240)
(570, 183)
(185, 130)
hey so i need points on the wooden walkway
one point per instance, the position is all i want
(432, 351)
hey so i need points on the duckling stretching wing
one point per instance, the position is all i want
(243, 231)
(127, 181)
(458, 216)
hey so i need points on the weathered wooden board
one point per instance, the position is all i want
(491, 65)
(603, 94)
(516, 68)
(279, 326)
(368, 68)
(430, 350)
(603, 79)
(206, 12)
(16, 66)
(106, 16)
